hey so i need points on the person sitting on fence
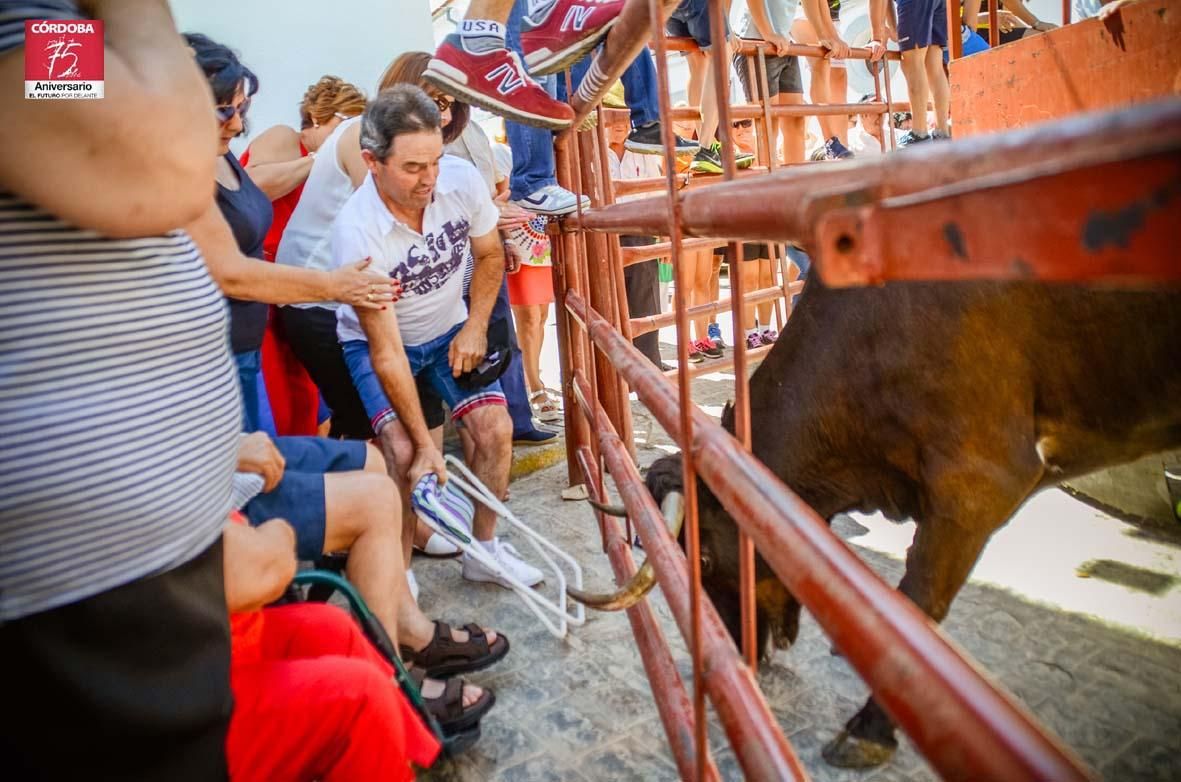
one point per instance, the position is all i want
(771, 20)
(313, 698)
(922, 36)
(336, 497)
(417, 215)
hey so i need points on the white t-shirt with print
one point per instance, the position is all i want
(429, 264)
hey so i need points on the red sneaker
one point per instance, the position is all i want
(565, 31)
(496, 81)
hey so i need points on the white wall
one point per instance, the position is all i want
(292, 44)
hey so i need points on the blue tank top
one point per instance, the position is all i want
(248, 212)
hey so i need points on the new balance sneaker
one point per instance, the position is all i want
(768, 336)
(706, 162)
(741, 159)
(708, 348)
(714, 332)
(647, 140)
(835, 150)
(553, 201)
(695, 355)
(495, 80)
(509, 559)
(910, 137)
(754, 340)
(559, 35)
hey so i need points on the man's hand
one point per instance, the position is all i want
(468, 348)
(877, 50)
(353, 285)
(1044, 27)
(427, 459)
(512, 258)
(735, 43)
(779, 43)
(837, 48)
(257, 454)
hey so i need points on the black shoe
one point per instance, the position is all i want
(835, 150)
(648, 140)
(534, 437)
(706, 162)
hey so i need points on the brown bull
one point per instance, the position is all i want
(948, 403)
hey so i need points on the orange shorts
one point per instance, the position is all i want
(531, 285)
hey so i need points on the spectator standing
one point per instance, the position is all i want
(816, 23)
(119, 416)
(279, 161)
(922, 37)
(771, 20)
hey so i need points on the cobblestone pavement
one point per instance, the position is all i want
(1103, 673)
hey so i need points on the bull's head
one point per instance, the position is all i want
(777, 613)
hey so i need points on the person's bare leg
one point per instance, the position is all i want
(709, 108)
(766, 280)
(491, 430)
(915, 70)
(940, 89)
(529, 331)
(697, 64)
(398, 452)
(820, 91)
(702, 264)
(791, 128)
(838, 83)
(497, 10)
(750, 283)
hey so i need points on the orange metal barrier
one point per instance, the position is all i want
(955, 717)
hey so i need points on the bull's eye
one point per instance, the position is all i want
(707, 563)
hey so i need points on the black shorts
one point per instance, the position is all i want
(751, 251)
(783, 76)
(311, 333)
(131, 684)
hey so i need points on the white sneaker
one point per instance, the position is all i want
(552, 200)
(509, 560)
(439, 546)
(413, 582)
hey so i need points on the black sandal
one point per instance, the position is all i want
(448, 708)
(444, 656)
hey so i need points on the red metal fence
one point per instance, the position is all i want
(847, 215)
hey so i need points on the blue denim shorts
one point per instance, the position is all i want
(691, 20)
(299, 497)
(429, 361)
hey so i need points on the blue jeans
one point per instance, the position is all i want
(533, 148)
(256, 406)
(639, 86)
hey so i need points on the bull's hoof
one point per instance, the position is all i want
(849, 751)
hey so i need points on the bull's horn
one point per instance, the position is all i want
(642, 582)
(619, 511)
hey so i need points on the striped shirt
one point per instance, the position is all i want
(119, 408)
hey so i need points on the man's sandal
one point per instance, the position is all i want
(444, 656)
(448, 708)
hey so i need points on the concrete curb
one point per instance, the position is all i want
(529, 459)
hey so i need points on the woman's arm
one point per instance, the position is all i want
(140, 161)
(348, 154)
(249, 279)
(276, 165)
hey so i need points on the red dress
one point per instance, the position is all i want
(294, 398)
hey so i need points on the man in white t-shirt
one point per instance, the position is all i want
(417, 215)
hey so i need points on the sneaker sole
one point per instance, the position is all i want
(657, 149)
(461, 91)
(705, 168)
(544, 62)
(550, 212)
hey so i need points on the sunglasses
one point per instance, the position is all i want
(226, 113)
(443, 102)
(743, 124)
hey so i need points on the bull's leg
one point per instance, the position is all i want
(936, 567)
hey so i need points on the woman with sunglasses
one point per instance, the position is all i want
(279, 160)
(231, 233)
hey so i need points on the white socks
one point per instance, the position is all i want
(481, 35)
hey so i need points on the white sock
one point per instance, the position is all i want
(489, 546)
(481, 35)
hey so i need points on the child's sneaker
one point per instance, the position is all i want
(714, 332)
(566, 31)
(708, 348)
(754, 340)
(768, 336)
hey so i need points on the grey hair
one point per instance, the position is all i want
(396, 111)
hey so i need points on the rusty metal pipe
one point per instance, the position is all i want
(652, 252)
(648, 323)
(751, 45)
(785, 205)
(668, 690)
(957, 720)
(994, 26)
(759, 745)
